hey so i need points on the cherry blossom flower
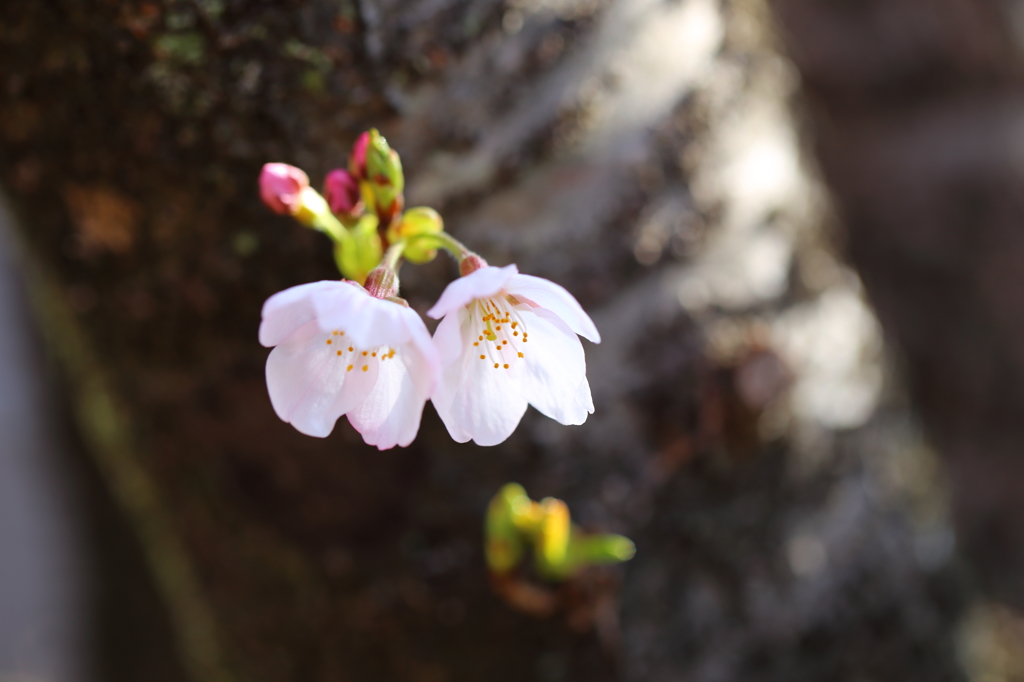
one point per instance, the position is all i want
(508, 340)
(338, 350)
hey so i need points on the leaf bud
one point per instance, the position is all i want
(417, 222)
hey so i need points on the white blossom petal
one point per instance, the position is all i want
(448, 336)
(369, 322)
(555, 298)
(485, 406)
(474, 400)
(482, 283)
(584, 400)
(287, 310)
(390, 414)
(427, 365)
(310, 386)
(553, 368)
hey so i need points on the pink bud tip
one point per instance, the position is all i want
(357, 162)
(342, 191)
(280, 185)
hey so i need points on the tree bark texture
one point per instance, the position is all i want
(639, 153)
(916, 111)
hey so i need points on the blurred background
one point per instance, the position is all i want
(796, 223)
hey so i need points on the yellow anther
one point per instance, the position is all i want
(366, 367)
(335, 332)
(328, 342)
(339, 352)
(521, 355)
(483, 357)
(504, 341)
(364, 353)
(476, 343)
(349, 368)
(374, 353)
(350, 349)
(495, 365)
(506, 366)
(515, 333)
(515, 324)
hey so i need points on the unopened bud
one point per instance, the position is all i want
(471, 263)
(554, 536)
(382, 283)
(357, 160)
(280, 187)
(341, 190)
(417, 222)
(385, 177)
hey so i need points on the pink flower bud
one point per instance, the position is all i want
(342, 191)
(280, 185)
(357, 162)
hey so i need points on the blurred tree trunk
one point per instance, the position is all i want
(562, 138)
(916, 110)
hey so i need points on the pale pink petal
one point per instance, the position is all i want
(555, 298)
(552, 368)
(369, 322)
(584, 400)
(427, 367)
(483, 283)
(476, 401)
(286, 311)
(390, 414)
(308, 383)
(450, 335)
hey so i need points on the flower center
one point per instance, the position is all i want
(356, 357)
(499, 331)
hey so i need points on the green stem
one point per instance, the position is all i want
(447, 242)
(393, 255)
(332, 227)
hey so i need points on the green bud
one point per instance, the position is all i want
(552, 549)
(504, 545)
(384, 174)
(417, 222)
